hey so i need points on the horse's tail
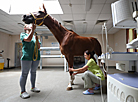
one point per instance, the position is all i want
(97, 47)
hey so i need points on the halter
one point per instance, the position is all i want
(39, 19)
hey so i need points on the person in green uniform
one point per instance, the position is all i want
(92, 73)
(27, 60)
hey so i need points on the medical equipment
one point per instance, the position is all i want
(118, 89)
(134, 43)
(122, 87)
(104, 57)
(122, 11)
(108, 49)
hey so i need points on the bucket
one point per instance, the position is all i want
(1, 66)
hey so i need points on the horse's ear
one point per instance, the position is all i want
(44, 8)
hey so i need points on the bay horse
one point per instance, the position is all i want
(71, 44)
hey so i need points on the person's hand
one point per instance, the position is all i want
(74, 73)
(33, 26)
(71, 69)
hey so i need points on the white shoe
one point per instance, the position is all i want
(24, 95)
(35, 90)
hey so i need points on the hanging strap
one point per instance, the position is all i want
(35, 53)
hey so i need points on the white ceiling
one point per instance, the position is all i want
(100, 10)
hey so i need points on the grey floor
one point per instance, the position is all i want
(52, 82)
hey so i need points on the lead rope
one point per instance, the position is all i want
(35, 53)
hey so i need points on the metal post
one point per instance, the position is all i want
(41, 52)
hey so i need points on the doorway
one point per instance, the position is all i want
(18, 54)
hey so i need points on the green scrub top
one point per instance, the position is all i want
(95, 69)
(28, 48)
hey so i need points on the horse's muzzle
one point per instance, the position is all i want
(27, 19)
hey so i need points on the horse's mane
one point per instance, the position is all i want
(56, 23)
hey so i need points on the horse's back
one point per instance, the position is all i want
(97, 46)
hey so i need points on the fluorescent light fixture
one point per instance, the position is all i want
(53, 7)
(84, 27)
(88, 4)
(27, 6)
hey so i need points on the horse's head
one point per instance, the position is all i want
(35, 17)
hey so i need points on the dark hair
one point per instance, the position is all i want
(91, 54)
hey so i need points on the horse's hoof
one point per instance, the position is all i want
(69, 88)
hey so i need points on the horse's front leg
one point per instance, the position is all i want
(71, 79)
(70, 60)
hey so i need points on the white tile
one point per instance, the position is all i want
(77, 2)
(96, 8)
(106, 8)
(66, 17)
(111, 1)
(98, 1)
(66, 9)
(79, 16)
(78, 9)
(91, 23)
(89, 29)
(64, 2)
(105, 17)
(92, 17)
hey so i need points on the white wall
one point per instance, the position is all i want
(7, 43)
(120, 41)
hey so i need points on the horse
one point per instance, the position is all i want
(71, 44)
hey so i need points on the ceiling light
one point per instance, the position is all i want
(84, 27)
(53, 7)
(88, 4)
(27, 6)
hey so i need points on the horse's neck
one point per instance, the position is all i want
(57, 29)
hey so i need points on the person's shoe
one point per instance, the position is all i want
(88, 93)
(35, 90)
(24, 95)
(97, 88)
